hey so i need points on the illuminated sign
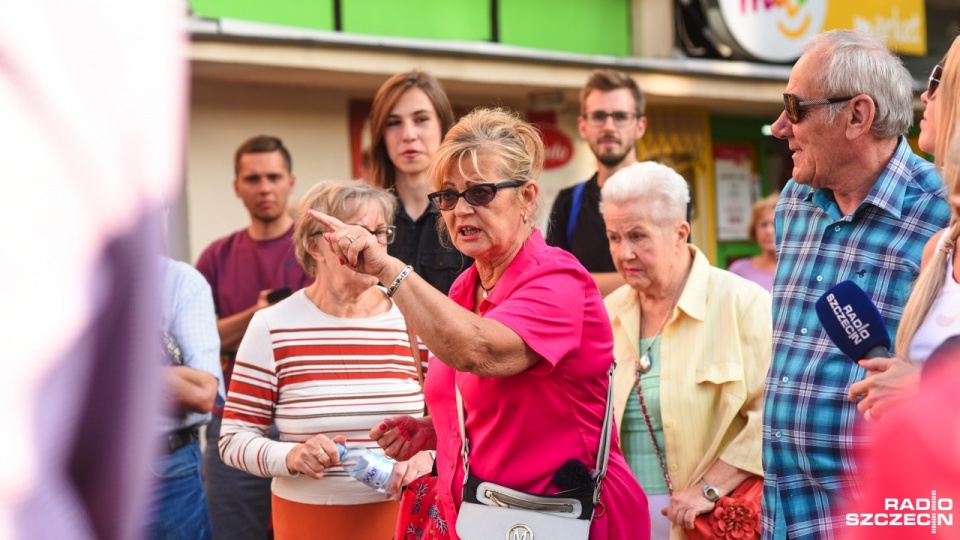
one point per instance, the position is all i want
(774, 30)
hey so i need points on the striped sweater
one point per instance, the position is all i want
(312, 373)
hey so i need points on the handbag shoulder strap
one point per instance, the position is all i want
(575, 205)
(415, 349)
(603, 452)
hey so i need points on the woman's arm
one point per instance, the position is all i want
(689, 503)
(249, 409)
(458, 337)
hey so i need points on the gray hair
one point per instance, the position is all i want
(662, 189)
(340, 199)
(860, 63)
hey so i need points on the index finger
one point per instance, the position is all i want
(328, 221)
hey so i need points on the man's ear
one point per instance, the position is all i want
(236, 187)
(861, 115)
(641, 127)
(581, 127)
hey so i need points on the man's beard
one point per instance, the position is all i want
(612, 160)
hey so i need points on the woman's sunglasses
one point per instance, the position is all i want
(795, 107)
(478, 195)
(934, 82)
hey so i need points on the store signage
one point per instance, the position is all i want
(557, 147)
(774, 30)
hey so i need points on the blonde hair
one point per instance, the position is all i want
(927, 288)
(761, 207)
(340, 199)
(514, 145)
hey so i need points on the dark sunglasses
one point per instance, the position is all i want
(934, 82)
(795, 107)
(478, 195)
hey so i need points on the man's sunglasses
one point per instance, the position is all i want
(478, 195)
(794, 107)
(934, 82)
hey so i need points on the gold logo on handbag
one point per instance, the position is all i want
(520, 532)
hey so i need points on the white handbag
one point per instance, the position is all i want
(491, 510)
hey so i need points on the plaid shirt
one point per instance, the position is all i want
(809, 440)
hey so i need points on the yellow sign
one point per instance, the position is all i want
(902, 22)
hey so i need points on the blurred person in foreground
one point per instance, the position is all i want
(92, 135)
(913, 480)
(327, 363)
(761, 267)
(697, 341)
(933, 312)
(409, 117)
(860, 207)
(523, 331)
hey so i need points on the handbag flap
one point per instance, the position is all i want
(480, 522)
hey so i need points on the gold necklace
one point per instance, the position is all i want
(645, 363)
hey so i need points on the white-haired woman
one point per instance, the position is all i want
(693, 345)
(327, 363)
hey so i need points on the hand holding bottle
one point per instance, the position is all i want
(314, 456)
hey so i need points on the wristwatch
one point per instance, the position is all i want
(709, 491)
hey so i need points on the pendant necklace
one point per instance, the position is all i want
(485, 290)
(645, 363)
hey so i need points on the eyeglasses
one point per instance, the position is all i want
(385, 235)
(478, 195)
(599, 118)
(795, 107)
(934, 82)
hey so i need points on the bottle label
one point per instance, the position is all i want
(377, 472)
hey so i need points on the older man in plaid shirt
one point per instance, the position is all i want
(860, 206)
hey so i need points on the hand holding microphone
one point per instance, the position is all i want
(855, 326)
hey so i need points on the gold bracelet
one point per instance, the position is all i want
(400, 277)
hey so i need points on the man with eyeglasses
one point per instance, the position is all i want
(248, 271)
(860, 206)
(611, 121)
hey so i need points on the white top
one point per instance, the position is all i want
(943, 320)
(314, 373)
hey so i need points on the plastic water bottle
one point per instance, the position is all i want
(373, 469)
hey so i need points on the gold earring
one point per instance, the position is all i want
(524, 217)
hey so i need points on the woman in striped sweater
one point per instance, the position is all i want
(327, 364)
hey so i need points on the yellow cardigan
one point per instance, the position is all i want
(715, 354)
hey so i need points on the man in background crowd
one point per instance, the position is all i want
(611, 121)
(247, 271)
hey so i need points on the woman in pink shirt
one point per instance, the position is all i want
(524, 334)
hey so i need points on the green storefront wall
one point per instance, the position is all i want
(600, 27)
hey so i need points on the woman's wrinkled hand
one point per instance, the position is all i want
(314, 456)
(405, 472)
(401, 437)
(354, 245)
(686, 505)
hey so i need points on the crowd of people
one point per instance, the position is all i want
(602, 364)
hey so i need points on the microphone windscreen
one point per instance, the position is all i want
(852, 320)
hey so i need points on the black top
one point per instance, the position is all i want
(418, 244)
(589, 242)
